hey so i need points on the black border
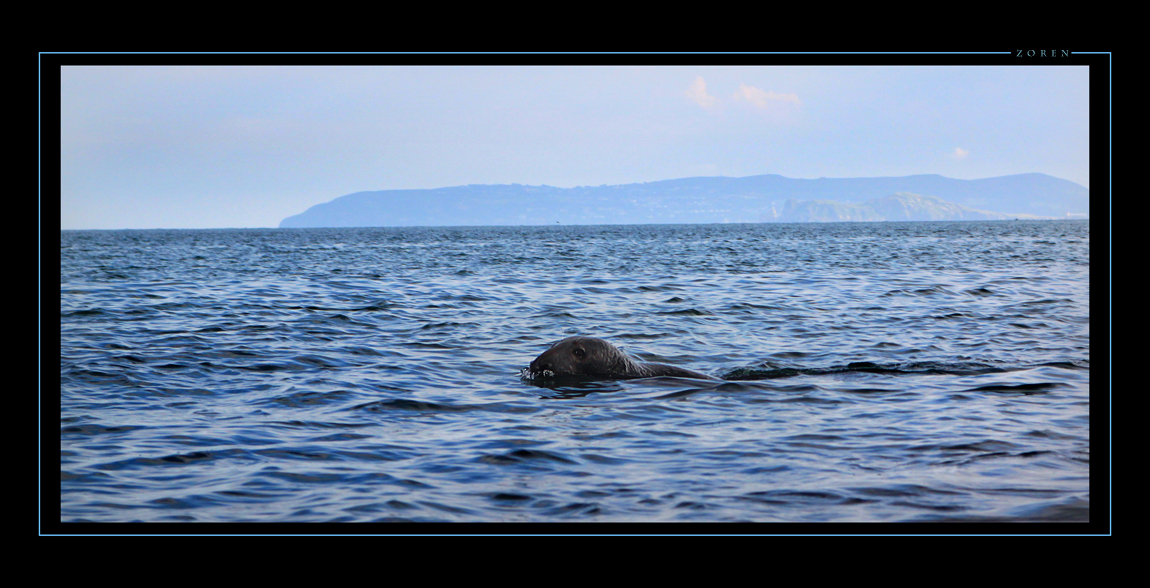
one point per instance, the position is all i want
(1099, 62)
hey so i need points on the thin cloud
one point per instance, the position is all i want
(959, 153)
(763, 98)
(698, 93)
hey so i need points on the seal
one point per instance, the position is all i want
(594, 357)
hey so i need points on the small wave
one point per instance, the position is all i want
(1027, 389)
(770, 370)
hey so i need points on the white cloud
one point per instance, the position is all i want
(698, 93)
(763, 98)
(959, 153)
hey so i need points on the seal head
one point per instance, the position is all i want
(594, 357)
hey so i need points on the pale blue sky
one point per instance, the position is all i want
(219, 147)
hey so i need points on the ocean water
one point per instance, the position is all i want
(872, 372)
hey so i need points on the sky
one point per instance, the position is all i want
(244, 147)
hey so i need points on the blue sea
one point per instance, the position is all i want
(871, 372)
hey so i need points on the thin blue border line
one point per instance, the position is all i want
(40, 295)
(534, 52)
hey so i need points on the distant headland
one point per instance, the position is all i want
(765, 198)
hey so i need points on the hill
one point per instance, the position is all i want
(766, 198)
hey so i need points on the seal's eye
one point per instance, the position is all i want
(579, 352)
